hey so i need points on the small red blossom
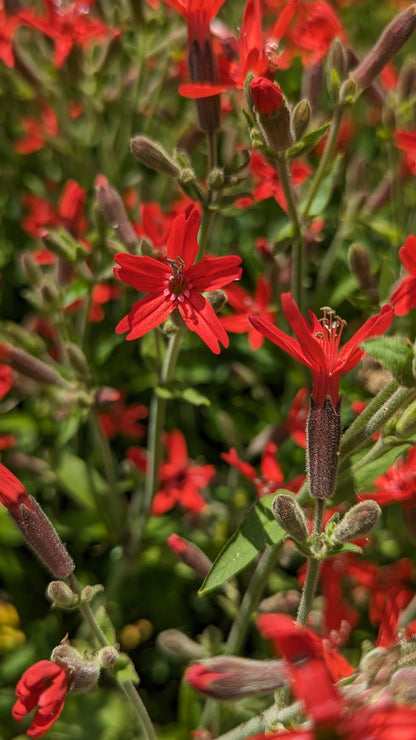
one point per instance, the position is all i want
(44, 685)
(318, 344)
(8, 27)
(181, 481)
(403, 298)
(316, 28)
(397, 484)
(267, 96)
(124, 419)
(267, 181)
(245, 306)
(406, 141)
(177, 283)
(271, 476)
(68, 25)
(38, 132)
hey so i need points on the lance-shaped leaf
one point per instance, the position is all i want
(396, 354)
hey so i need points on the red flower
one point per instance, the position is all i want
(317, 28)
(398, 483)
(406, 141)
(269, 184)
(68, 25)
(38, 132)
(403, 298)
(12, 491)
(267, 96)
(44, 685)
(177, 283)
(246, 305)
(271, 477)
(124, 419)
(318, 344)
(181, 481)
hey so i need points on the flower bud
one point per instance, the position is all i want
(348, 92)
(40, 534)
(61, 595)
(360, 266)
(390, 42)
(78, 360)
(300, 118)
(235, 678)
(31, 270)
(179, 646)
(323, 436)
(406, 85)
(35, 369)
(190, 554)
(84, 673)
(290, 516)
(108, 656)
(106, 395)
(61, 243)
(406, 423)
(153, 155)
(358, 521)
(216, 179)
(217, 299)
(336, 68)
(272, 113)
(112, 208)
(403, 684)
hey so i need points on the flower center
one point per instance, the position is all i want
(176, 287)
(330, 337)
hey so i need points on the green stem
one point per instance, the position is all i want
(250, 600)
(113, 507)
(314, 566)
(326, 159)
(298, 247)
(390, 400)
(127, 687)
(154, 447)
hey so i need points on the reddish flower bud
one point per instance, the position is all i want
(43, 685)
(190, 554)
(40, 534)
(235, 678)
(390, 42)
(152, 154)
(112, 208)
(267, 96)
(25, 363)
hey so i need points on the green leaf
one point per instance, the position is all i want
(307, 142)
(326, 187)
(75, 477)
(258, 530)
(105, 623)
(191, 395)
(395, 354)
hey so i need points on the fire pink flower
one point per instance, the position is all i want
(44, 685)
(245, 306)
(403, 298)
(318, 344)
(181, 481)
(12, 492)
(177, 283)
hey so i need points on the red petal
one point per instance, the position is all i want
(142, 273)
(200, 317)
(145, 315)
(182, 238)
(212, 273)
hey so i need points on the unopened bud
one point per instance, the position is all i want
(300, 118)
(359, 263)
(31, 270)
(42, 537)
(217, 299)
(61, 595)
(272, 113)
(33, 368)
(337, 58)
(406, 85)
(358, 521)
(348, 92)
(190, 554)
(216, 179)
(323, 437)
(406, 423)
(289, 515)
(108, 656)
(153, 156)
(62, 244)
(236, 678)
(179, 646)
(390, 42)
(106, 395)
(84, 673)
(78, 360)
(238, 162)
(112, 208)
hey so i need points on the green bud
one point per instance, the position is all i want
(108, 656)
(78, 360)
(61, 595)
(216, 179)
(358, 521)
(348, 92)
(406, 423)
(290, 516)
(153, 156)
(300, 118)
(217, 299)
